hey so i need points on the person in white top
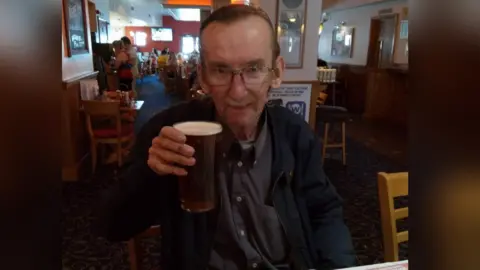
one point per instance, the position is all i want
(132, 54)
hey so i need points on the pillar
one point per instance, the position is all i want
(204, 13)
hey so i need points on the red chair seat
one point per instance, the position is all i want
(111, 132)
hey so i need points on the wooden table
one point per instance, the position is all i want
(136, 106)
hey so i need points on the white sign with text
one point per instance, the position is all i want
(295, 97)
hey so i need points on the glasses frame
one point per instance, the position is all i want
(238, 71)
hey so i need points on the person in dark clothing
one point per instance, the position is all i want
(278, 211)
(101, 56)
(321, 63)
(192, 79)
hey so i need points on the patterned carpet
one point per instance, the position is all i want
(356, 183)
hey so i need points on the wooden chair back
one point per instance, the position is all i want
(101, 109)
(390, 186)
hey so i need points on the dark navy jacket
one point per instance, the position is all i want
(308, 206)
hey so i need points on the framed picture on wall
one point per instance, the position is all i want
(342, 41)
(290, 27)
(75, 27)
(102, 31)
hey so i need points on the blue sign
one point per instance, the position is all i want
(297, 107)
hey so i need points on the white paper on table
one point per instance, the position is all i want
(88, 89)
(401, 265)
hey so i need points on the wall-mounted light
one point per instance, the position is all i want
(325, 17)
(341, 24)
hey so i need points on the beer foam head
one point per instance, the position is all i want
(199, 128)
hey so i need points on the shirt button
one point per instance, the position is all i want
(239, 199)
(254, 265)
(239, 164)
(224, 155)
(255, 162)
(242, 232)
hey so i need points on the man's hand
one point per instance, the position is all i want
(169, 152)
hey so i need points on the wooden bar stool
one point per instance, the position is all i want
(329, 115)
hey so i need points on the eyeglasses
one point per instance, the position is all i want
(251, 76)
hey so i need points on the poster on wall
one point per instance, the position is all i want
(295, 97)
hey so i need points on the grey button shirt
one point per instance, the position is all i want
(249, 234)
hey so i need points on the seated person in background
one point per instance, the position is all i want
(279, 210)
(321, 63)
(192, 78)
(162, 59)
(153, 61)
(179, 59)
(172, 65)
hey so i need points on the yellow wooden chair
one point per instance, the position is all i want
(390, 186)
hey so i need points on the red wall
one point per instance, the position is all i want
(179, 29)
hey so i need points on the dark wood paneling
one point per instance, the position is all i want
(356, 85)
(387, 96)
(377, 94)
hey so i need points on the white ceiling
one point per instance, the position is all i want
(144, 12)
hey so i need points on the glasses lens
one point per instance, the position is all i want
(223, 76)
(255, 75)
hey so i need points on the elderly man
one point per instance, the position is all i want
(279, 210)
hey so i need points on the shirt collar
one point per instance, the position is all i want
(245, 149)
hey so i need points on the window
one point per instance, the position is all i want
(140, 38)
(189, 44)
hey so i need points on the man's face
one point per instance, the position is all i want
(243, 46)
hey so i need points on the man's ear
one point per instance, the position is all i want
(278, 72)
(200, 79)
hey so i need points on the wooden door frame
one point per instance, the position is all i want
(395, 16)
(372, 47)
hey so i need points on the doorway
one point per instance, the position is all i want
(382, 41)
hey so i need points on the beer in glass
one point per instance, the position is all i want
(197, 188)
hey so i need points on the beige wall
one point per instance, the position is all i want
(314, 10)
(78, 64)
(359, 18)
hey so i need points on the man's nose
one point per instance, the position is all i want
(237, 87)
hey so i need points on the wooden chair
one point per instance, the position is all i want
(170, 78)
(135, 252)
(104, 126)
(390, 186)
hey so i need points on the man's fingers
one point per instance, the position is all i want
(180, 148)
(171, 157)
(173, 134)
(162, 168)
